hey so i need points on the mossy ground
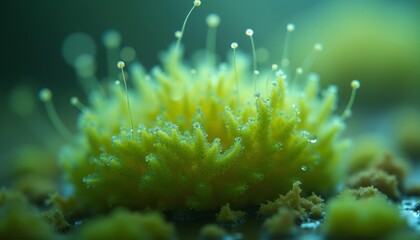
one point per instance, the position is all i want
(253, 150)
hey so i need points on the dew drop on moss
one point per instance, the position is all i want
(241, 127)
(116, 140)
(313, 139)
(196, 125)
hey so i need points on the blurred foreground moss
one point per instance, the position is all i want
(20, 220)
(122, 224)
(366, 217)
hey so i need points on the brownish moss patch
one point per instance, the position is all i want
(311, 206)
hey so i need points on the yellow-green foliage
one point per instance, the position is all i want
(20, 220)
(368, 217)
(122, 224)
(199, 143)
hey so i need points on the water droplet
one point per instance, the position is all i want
(116, 140)
(251, 119)
(129, 134)
(305, 134)
(238, 139)
(241, 127)
(155, 130)
(196, 125)
(112, 162)
(90, 180)
(304, 168)
(311, 138)
(149, 158)
(257, 95)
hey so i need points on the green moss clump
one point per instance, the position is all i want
(197, 136)
(364, 218)
(35, 173)
(56, 219)
(311, 206)
(282, 224)
(212, 232)
(229, 217)
(20, 220)
(365, 192)
(385, 172)
(200, 143)
(394, 166)
(383, 181)
(122, 224)
(365, 150)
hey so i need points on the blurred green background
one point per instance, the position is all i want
(377, 42)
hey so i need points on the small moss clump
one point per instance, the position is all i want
(365, 192)
(365, 151)
(383, 181)
(303, 208)
(20, 220)
(393, 166)
(35, 173)
(281, 224)
(385, 172)
(122, 224)
(212, 232)
(229, 217)
(55, 218)
(368, 217)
